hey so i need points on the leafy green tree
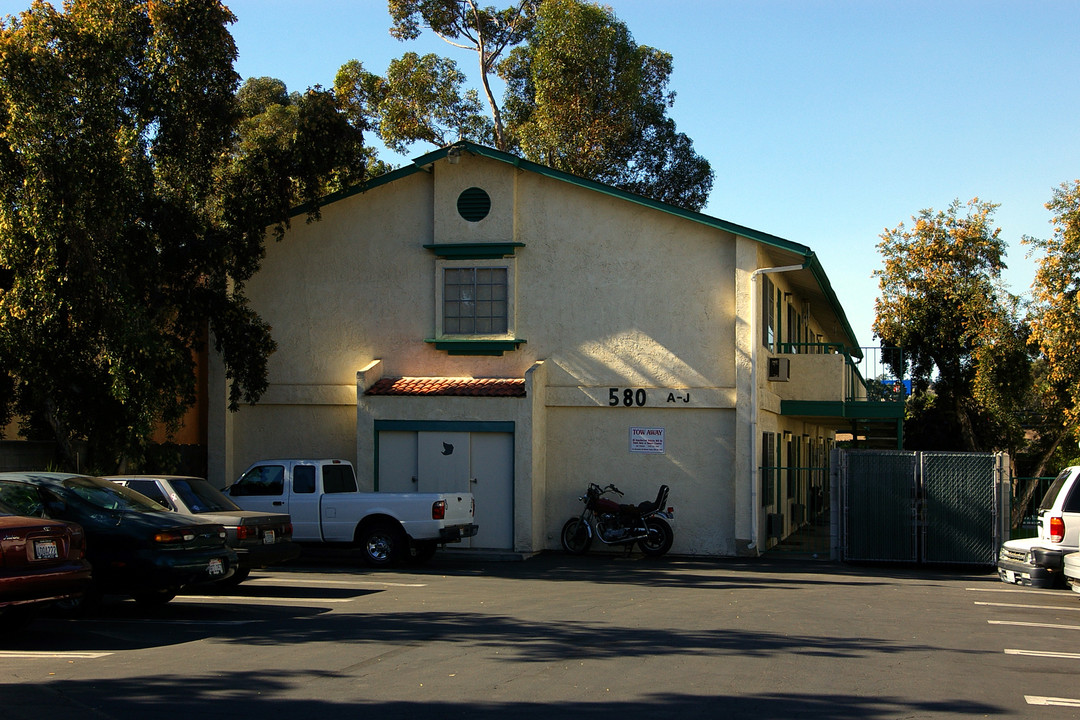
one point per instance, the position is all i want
(420, 100)
(583, 97)
(1055, 311)
(136, 197)
(464, 24)
(1054, 321)
(943, 302)
(303, 145)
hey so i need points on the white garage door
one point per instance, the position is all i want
(443, 461)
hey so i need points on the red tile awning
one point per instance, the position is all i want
(449, 387)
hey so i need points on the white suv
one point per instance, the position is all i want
(1038, 561)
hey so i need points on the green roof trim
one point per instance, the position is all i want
(424, 163)
(546, 171)
(474, 251)
(470, 346)
(814, 265)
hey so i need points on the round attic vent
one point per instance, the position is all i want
(473, 204)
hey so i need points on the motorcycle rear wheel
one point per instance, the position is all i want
(659, 539)
(576, 537)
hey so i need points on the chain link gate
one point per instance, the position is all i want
(932, 507)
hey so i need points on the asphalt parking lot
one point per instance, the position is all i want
(558, 636)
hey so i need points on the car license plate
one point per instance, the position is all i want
(216, 567)
(1010, 576)
(268, 537)
(45, 550)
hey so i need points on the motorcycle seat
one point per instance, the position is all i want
(647, 507)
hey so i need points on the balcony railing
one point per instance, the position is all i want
(867, 379)
(875, 375)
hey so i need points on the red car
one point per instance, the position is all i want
(41, 562)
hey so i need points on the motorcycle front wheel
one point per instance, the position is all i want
(659, 539)
(576, 537)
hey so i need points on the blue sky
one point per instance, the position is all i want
(826, 121)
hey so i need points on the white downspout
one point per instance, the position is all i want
(755, 321)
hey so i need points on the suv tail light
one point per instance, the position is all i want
(438, 510)
(1057, 529)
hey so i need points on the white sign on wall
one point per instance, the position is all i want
(647, 440)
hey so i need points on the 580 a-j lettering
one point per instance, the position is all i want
(627, 397)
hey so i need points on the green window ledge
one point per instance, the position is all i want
(474, 251)
(467, 346)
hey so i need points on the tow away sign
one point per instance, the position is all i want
(647, 440)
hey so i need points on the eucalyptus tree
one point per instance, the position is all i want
(581, 95)
(486, 31)
(421, 99)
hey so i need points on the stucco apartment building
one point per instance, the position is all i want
(477, 321)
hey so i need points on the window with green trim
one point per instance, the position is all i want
(475, 301)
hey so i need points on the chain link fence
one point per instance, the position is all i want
(928, 507)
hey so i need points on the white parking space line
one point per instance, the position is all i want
(164, 621)
(1030, 607)
(262, 601)
(47, 654)
(1014, 589)
(1043, 653)
(1060, 702)
(1018, 623)
(277, 580)
(1036, 699)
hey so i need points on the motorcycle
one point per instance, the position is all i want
(615, 524)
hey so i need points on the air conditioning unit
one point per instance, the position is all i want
(774, 525)
(779, 369)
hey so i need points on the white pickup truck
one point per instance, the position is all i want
(326, 506)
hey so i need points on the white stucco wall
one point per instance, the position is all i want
(592, 445)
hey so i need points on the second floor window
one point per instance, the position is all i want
(768, 318)
(475, 301)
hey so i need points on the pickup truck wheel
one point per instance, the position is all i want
(382, 543)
